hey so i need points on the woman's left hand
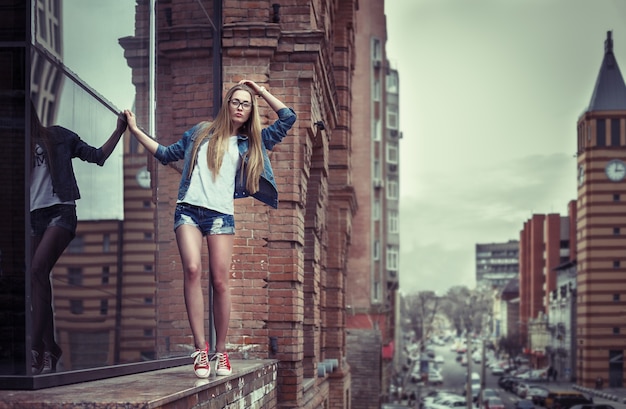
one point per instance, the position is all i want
(121, 123)
(255, 87)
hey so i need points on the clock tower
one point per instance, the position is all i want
(601, 230)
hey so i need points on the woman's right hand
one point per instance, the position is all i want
(131, 119)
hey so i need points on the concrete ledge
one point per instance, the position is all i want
(252, 384)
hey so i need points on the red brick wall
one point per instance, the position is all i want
(288, 269)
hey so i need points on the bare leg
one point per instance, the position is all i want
(189, 240)
(46, 251)
(220, 256)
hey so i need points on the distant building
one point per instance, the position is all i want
(373, 261)
(544, 244)
(561, 349)
(506, 311)
(497, 263)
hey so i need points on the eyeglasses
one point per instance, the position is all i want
(245, 105)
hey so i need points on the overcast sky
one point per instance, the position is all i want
(91, 50)
(490, 95)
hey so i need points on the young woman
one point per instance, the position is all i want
(53, 195)
(223, 160)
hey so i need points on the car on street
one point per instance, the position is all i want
(434, 377)
(488, 393)
(448, 403)
(521, 389)
(493, 403)
(524, 404)
(436, 396)
(537, 394)
(497, 370)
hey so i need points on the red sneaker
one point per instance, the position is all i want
(201, 365)
(222, 368)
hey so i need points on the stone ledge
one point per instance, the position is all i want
(252, 384)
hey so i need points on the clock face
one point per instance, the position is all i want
(581, 175)
(615, 170)
(143, 178)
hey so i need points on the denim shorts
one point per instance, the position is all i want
(208, 221)
(61, 215)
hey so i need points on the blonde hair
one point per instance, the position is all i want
(220, 130)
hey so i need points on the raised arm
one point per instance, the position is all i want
(150, 144)
(109, 145)
(271, 100)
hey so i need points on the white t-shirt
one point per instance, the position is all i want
(215, 194)
(41, 191)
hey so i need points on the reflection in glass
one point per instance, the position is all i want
(103, 284)
(53, 195)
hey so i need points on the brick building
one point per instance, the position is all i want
(292, 266)
(544, 245)
(372, 273)
(600, 282)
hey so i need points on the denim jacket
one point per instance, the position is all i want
(273, 134)
(62, 146)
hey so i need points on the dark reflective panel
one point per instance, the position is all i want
(13, 20)
(14, 212)
(99, 307)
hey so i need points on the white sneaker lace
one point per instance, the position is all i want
(201, 358)
(222, 361)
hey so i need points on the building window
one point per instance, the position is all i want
(392, 190)
(376, 89)
(615, 263)
(392, 258)
(378, 130)
(76, 307)
(75, 276)
(77, 245)
(616, 197)
(616, 330)
(616, 231)
(376, 211)
(104, 307)
(377, 170)
(616, 297)
(106, 243)
(600, 132)
(105, 275)
(392, 117)
(376, 291)
(147, 235)
(392, 82)
(393, 222)
(392, 153)
(376, 250)
(376, 50)
(615, 131)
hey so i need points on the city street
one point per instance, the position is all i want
(454, 375)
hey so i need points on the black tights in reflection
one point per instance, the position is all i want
(46, 251)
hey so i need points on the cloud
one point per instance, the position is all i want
(449, 215)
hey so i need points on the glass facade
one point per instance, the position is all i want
(68, 67)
